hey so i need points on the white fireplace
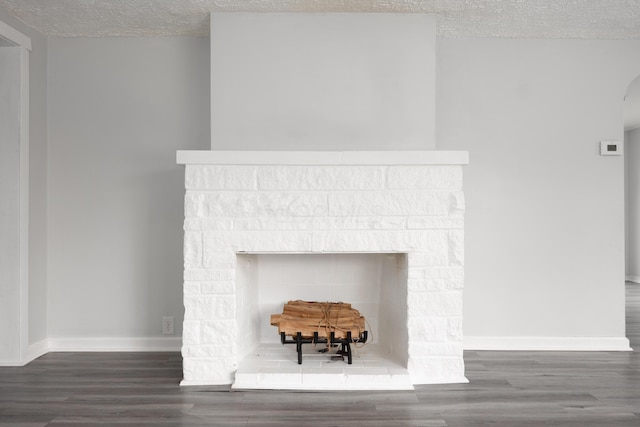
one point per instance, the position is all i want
(382, 230)
(389, 223)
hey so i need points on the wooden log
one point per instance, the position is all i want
(307, 332)
(275, 319)
(329, 317)
(321, 317)
(315, 304)
(343, 323)
(319, 309)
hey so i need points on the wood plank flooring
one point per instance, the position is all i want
(505, 389)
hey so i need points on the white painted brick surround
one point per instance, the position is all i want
(242, 202)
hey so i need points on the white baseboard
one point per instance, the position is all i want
(10, 363)
(634, 279)
(547, 343)
(175, 343)
(36, 350)
(116, 344)
(45, 346)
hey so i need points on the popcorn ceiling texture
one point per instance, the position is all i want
(576, 19)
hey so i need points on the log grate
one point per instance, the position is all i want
(345, 343)
(330, 323)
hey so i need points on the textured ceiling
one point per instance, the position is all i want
(584, 19)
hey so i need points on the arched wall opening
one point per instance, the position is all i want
(632, 202)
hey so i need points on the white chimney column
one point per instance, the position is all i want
(300, 81)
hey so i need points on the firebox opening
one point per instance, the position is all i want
(374, 283)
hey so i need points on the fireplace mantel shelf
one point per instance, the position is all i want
(426, 157)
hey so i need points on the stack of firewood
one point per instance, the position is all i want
(321, 317)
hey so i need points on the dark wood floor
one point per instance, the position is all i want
(505, 389)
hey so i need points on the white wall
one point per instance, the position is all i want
(545, 213)
(37, 184)
(302, 81)
(37, 179)
(118, 110)
(632, 181)
(544, 239)
(10, 230)
(393, 293)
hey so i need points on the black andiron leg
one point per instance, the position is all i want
(345, 346)
(349, 356)
(299, 347)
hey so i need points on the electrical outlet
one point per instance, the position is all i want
(167, 325)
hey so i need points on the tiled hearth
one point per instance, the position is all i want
(407, 206)
(274, 366)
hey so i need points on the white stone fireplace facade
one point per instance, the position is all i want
(407, 203)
